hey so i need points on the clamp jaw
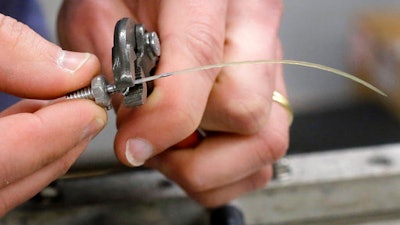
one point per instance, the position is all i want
(134, 56)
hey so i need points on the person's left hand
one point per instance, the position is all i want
(41, 139)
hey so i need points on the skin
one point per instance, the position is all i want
(40, 139)
(247, 132)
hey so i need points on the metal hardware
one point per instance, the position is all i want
(134, 56)
(281, 170)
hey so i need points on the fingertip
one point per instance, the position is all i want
(72, 61)
(93, 128)
(78, 68)
(138, 151)
(83, 113)
(44, 69)
(100, 117)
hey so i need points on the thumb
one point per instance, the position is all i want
(32, 67)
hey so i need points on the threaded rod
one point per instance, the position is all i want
(85, 93)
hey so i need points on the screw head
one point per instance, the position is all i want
(99, 90)
(282, 170)
(154, 43)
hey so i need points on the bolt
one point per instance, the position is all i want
(282, 170)
(154, 43)
(84, 93)
(99, 91)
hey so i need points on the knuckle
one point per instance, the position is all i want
(189, 119)
(11, 27)
(272, 147)
(204, 43)
(193, 180)
(185, 120)
(249, 116)
(278, 144)
(192, 174)
(15, 34)
(260, 179)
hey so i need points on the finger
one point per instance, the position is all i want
(237, 156)
(35, 68)
(35, 140)
(252, 28)
(222, 195)
(145, 11)
(89, 26)
(24, 106)
(25, 188)
(190, 36)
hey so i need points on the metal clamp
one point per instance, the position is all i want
(134, 56)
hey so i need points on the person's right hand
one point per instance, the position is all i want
(41, 139)
(246, 131)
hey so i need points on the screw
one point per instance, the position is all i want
(282, 170)
(99, 91)
(154, 43)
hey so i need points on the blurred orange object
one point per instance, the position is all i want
(375, 54)
(190, 142)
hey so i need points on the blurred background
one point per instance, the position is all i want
(332, 112)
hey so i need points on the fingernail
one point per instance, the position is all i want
(72, 61)
(138, 151)
(94, 127)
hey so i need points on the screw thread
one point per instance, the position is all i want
(85, 93)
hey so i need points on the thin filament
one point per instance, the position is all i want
(256, 62)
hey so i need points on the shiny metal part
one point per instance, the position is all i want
(99, 92)
(134, 56)
(282, 170)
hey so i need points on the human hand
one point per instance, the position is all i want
(40, 139)
(247, 133)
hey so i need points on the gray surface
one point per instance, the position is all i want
(319, 32)
(331, 186)
(354, 186)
